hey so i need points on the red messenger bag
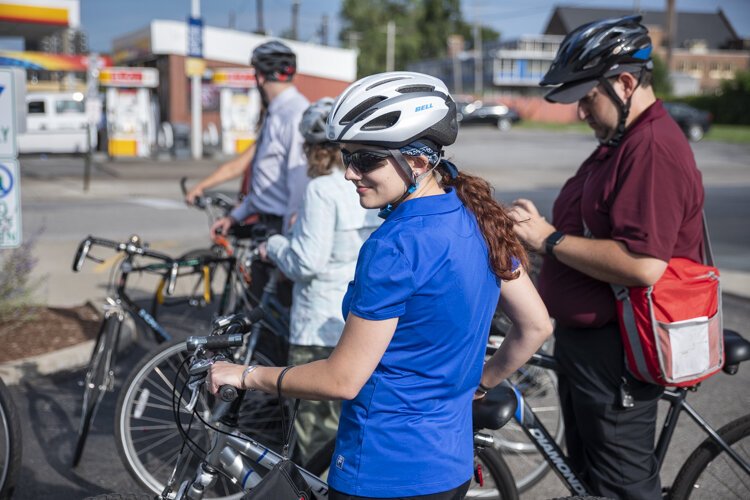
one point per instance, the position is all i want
(672, 331)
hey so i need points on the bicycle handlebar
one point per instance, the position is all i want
(132, 248)
(203, 202)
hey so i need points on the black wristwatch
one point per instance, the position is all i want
(552, 241)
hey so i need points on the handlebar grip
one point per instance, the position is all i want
(215, 342)
(81, 253)
(227, 393)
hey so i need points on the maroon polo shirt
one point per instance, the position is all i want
(646, 193)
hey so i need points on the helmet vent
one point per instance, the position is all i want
(415, 88)
(383, 122)
(364, 106)
(382, 82)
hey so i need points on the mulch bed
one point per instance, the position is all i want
(48, 329)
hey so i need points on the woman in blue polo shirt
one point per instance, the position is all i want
(418, 312)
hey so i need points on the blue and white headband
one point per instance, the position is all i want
(419, 149)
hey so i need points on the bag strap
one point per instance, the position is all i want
(708, 255)
(287, 429)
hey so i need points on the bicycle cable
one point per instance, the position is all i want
(186, 439)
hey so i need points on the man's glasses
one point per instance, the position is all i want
(363, 161)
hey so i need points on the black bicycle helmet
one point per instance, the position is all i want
(597, 50)
(275, 61)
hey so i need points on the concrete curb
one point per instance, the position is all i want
(65, 359)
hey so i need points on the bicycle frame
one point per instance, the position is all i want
(140, 313)
(558, 461)
(236, 455)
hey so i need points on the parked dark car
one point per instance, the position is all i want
(694, 122)
(477, 113)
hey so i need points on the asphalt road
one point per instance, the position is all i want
(143, 197)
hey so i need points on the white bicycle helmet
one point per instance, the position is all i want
(312, 126)
(392, 110)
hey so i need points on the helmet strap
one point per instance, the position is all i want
(411, 181)
(623, 108)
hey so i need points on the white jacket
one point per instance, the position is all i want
(320, 256)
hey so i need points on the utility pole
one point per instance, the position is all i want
(295, 18)
(671, 32)
(324, 30)
(390, 47)
(196, 106)
(478, 61)
(261, 30)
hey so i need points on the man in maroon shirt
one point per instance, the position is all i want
(634, 203)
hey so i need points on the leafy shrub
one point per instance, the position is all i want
(16, 286)
(731, 105)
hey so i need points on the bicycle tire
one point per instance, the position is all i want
(710, 473)
(97, 380)
(500, 484)
(10, 443)
(539, 389)
(145, 431)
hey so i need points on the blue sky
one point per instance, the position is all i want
(104, 20)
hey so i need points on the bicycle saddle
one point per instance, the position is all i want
(736, 350)
(495, 409)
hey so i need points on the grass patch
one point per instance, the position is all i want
(729, 133)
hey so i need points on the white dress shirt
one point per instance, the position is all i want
(279, 167)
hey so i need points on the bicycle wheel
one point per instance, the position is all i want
(539, 389)
(10, 443)
(147, 436)
(710, 473)
(99, 378)
(498, 482)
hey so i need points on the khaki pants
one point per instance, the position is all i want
(317, 421)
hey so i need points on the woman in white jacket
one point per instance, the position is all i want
(320, 256)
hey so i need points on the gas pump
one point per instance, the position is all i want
(131, 125)
(239, 108)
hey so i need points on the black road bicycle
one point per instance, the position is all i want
(146, 434)
(718, 468)
(10, 443)
(100, 376)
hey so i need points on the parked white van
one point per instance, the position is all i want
(56, 122)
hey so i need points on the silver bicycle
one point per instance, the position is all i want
(231, 463)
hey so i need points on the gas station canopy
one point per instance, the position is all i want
(33, 20)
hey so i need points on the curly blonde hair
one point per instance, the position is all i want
(322, 158)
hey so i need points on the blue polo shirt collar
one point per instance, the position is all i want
(427, 205)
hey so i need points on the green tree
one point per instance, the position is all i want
(422, 29)
(660, 77)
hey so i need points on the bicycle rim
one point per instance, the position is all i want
(97, 380)
(710, 473)
(10, 443)
(147, 436)
(497, 482)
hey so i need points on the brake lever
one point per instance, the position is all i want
(194, 386)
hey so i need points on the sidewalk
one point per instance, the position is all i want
(43, 182)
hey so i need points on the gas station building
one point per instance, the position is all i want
(321, 70)
(145, 81)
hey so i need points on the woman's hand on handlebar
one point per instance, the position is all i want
(223, 373)
(221, 226)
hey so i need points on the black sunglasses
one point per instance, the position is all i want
(364, 161)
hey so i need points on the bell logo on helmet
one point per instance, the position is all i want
(423, 107)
